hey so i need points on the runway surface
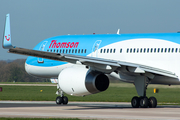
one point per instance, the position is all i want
(86, 110)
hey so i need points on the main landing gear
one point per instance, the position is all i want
(143, 102)
(61, 99)
(141, 85)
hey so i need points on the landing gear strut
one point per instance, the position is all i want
(143, 102)
(61, 99)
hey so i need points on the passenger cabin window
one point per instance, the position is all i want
(131, 50)
(141, 50)
(154, 50)
(151, 50)
(144, 50)
(120, 50)
(158, 50)
(127, 50)
(137, 50)
(169, 49)
(114, 50)
(176, 50)
(148, 50)
(111, 51)
(134, 50)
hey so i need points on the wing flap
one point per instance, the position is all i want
(149, 69)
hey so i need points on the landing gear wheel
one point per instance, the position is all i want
(152, 102)
(144, 102)
(65, 100)
(59, 100)
(135, 102)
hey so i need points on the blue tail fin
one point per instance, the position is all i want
(7, 34)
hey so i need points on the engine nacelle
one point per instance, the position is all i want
(82, 81)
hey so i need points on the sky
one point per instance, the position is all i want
(35, 20)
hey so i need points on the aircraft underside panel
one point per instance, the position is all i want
(158, 79)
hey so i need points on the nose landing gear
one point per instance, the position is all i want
(61, 99)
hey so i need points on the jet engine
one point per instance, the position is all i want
(82, 81)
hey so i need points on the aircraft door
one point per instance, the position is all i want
(41, 48)
(95, 48)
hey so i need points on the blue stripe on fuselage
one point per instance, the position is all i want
(87, 42)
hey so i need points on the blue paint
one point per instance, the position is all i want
(87, 42)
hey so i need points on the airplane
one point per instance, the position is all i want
(84, 64)
(53, 80)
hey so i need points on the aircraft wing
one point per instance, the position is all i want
(99, 64)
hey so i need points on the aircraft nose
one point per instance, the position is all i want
(27, 68)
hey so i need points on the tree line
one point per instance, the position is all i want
(14, 71)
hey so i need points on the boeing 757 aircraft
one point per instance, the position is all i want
(83, 64)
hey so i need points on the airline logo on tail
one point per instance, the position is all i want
(8, 38)
(7, 34)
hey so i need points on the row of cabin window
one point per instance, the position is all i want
(68, 50)
(108, 50)
(151, 50)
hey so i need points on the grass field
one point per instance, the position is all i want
(117, 92)
(26, 83)
(40, 119)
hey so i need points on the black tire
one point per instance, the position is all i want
(59, 100)
(144, 102)
(152, 102)
(135, 102)
(65, 100)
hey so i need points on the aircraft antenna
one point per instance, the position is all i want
(118, 31)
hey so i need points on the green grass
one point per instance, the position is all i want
(40, 119)
(117, 92)
(26, 83)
